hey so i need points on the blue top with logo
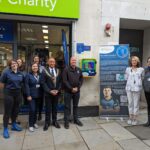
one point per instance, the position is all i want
(12, 80)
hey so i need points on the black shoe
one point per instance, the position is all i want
(46, 126)
(39, 117)
(66, 125)
(78, 122)
(56, 124)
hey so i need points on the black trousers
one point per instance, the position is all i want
(11, 106)
(33, 106)
(40, 105)
(67, 101)
(147, 95)
(51, 103)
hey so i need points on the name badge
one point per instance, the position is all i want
(37, 85)
(148, 79)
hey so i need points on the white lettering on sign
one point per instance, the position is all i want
(50, 4)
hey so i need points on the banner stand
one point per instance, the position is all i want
(108, 119)
(113, 61)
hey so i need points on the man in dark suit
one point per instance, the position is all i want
(51, 81)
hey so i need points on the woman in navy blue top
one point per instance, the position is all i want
(34, 94)
(12, 80)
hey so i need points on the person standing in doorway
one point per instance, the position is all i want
(36, 60)
(146, 86)
(51, 81)
(12, 80)
(33, 91)
(72, 82)
(134, 75)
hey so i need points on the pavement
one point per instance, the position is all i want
(96, 134)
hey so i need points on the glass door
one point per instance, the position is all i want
(5, 55)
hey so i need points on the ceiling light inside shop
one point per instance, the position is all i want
(46, 41)
(30, 39)
(45, 37)
(45, 31)
(44, 26)
(47, 46)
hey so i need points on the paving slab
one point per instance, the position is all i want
(13, 143)
(35, 141)
(103, 120)
(88, 124)
(147, 142)
(98, 140)
(117, 131)
(65, 136)
(72, 146)
(133, 144)
(44, 148)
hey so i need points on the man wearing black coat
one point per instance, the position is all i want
(72, 82)
(51, 81)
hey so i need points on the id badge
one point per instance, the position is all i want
(37, 85)
(148, 79)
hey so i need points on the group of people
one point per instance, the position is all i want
(138, 78)
(38, 85)
(44, 84)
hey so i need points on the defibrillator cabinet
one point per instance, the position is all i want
(88, 67)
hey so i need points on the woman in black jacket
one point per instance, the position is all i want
(146, 86)
(34, 95)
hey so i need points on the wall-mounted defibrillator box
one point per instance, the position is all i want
(88, 67)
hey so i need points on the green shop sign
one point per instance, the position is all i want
(49, 8)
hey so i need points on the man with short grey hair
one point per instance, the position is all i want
(72, 81)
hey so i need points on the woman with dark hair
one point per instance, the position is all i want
(12, 80)
(146, 86)
(21, 66)
(33, 91)
(134, 75)
(36, 59)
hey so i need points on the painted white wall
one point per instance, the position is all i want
(89, 29)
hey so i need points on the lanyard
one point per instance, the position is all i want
(37, 78)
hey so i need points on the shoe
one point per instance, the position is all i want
(15, 127)
(66, 125)
(31, 129)
(56, 124)
(39, 117)
(134, 122)
(36, 126)
(5, 133)
(78, 122)
(46, 127)
(129, 122)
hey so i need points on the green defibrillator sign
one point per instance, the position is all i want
(49, 8)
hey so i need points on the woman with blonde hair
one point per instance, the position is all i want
(134, 75)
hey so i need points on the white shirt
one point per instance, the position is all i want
(50, 69)
(134, 79)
